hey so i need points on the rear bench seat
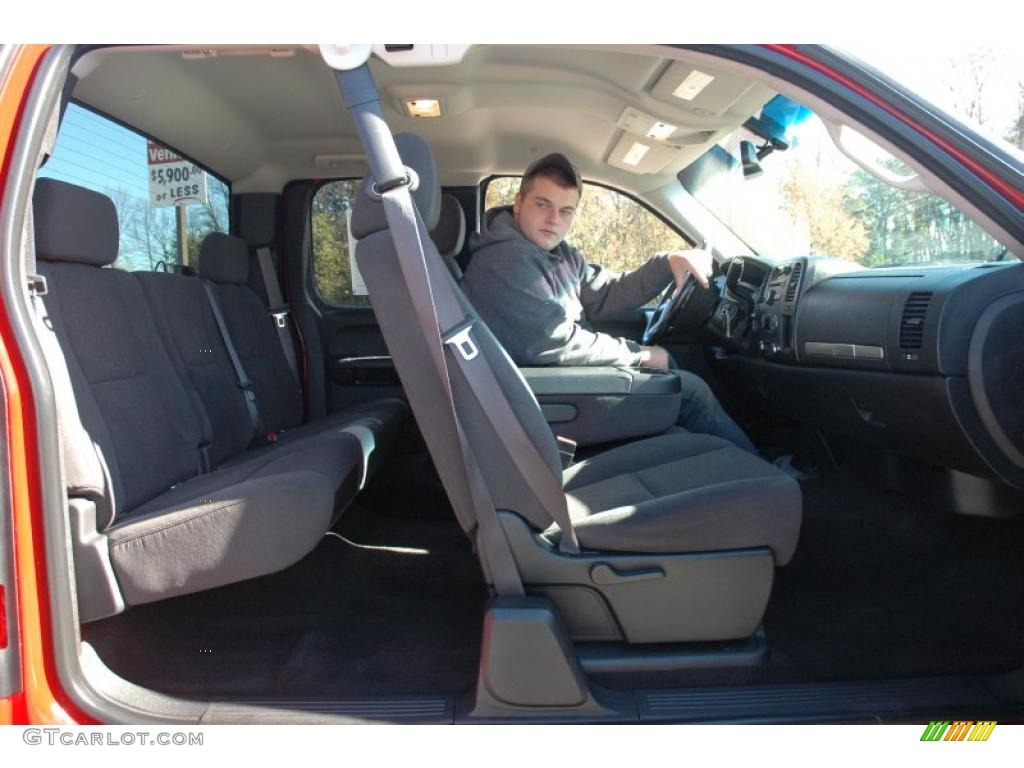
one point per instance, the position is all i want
(224, 262)
(153, 430)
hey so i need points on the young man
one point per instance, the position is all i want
(538, 294)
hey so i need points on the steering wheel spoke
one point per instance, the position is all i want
(673, 300)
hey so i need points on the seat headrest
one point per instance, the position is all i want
(368, 214)
(74, 224)
(450, 232)
(224, 259)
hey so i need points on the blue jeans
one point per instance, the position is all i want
(701, 412)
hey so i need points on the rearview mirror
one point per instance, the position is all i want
(750, 161)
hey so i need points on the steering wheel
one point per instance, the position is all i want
(671, 305)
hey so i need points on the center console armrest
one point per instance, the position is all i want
(598, 404)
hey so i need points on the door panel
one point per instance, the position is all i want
(356, 358)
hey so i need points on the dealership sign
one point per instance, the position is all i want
(172, 179)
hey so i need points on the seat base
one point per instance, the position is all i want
(614, 658)
(529, 670)
(646, 598)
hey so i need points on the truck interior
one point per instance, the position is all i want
(295, 478)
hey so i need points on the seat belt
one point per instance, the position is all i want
(447, 312)
(360, 95)
(242, 379)
(481, 522)
(279, 311)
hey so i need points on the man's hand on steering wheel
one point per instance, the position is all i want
(696, 262)
(656, 358)
(676, 300)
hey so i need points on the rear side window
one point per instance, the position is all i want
(336, 277)
(165, 204)
(610, 228)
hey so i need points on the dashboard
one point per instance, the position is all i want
(927, 360)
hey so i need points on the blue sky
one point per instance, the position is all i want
(99, 154)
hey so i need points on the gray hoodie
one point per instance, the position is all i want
(540, 303)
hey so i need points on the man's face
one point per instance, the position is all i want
(544, 214)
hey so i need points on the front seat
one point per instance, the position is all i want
(679, 535)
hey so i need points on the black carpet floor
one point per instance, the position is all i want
(383, 606)
(881, 586)
(884, 586)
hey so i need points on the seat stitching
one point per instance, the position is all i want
(687, 458)
(744, 481)
(636, 476)
(696, 455)
(169, 526)
(656, 466)
(143, 375)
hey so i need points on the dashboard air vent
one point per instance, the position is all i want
(912, 322)
(794, 281)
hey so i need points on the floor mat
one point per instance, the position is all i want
(383, 606)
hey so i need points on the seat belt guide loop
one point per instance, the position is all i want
(459, 338)
(37, 285)
(411, 180)
(250, 393)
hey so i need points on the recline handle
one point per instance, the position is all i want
(604, 574)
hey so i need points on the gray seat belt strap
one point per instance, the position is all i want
(492, 543)
(445, 310)
(243, 380)
(495, 406)
(279, 311)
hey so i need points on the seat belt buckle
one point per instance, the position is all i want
(280, 316)
(459, 338)
(566, 450)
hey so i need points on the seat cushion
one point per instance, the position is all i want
(253, 518)
(374, 425)
(683, 493)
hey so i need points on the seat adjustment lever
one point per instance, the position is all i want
(602, 573)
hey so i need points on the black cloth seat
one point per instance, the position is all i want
(224, 262)
(136, 435)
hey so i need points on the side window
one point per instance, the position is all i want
(336, 278)
(165, 204)
(610, 228)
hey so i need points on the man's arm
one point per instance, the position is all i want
(606, 294)
(515, 300)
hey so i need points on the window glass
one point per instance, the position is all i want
(336, 278)
(610, 228)
(157, 194)
(811, 199)
(979, 83)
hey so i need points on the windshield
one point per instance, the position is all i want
(981, 85)
(808, 198)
